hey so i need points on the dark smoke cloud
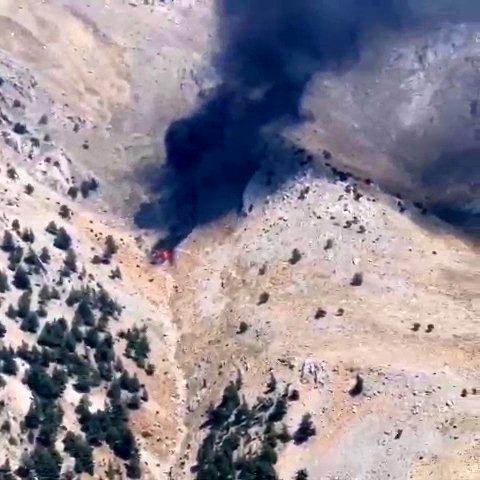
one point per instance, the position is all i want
(270, 51)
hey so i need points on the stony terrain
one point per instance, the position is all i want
(327, 296)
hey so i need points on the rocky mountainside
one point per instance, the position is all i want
(328, 331)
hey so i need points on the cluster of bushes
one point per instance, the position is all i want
(78, 448)
(110, 426)
(34, 263)
(9, 364)
(87, 186)
(43, 421)
(137, 346)
(109, 250)
(242, 440)
(225, 451)
(62, 239)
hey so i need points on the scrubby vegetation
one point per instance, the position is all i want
(137, 346)
(77, 349)
(243, 440)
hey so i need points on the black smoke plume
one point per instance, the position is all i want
(270, 51)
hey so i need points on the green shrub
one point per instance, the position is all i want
(70, 261)
(52, 228)
(24, 302)
(20, 279)
(62, 239)
(305, 430)
(28, 235)
(4, 285)
(8, 243)
(30, 323)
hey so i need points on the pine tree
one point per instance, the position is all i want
(62, 239)
(65, 212)
(116, 274)
(28, 235)
(6, 471)
(71, 260)
(52, 228)
(11, 312)
(4, 286)
(150, 369)
(45, 255)
(305, 430)
(30, 323)
(111, 247)
(44, 294)
(31, 258)
(7, 244)
(133, 465)
(9, 365)
(46, 463)
(15, 257)
(73, 192)
(20, 279)
(92, 338)
(32, 418)
(84, 314)
(133, 402)
(83, 382)
(24, 302)
(301, 475)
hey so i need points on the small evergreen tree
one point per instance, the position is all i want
(45, 255)
(31, 258)
(111, 247)
(4, 286)
(78, 448)
(73, 192)
(62, 239)
(52, 228)
(6, 471)
(44, 294)
(116, 273)
(71, 260)
(9, 366)
(84, 313)
(7, 244)
(15, 257)
(301, 475)
(11, 312)
(305, 430)
(20, 279)
(24, 302)
(30, 323)
(133, 465)
(65, 212)
(44, 463)
(28, 235)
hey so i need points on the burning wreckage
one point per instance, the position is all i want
(164, 250)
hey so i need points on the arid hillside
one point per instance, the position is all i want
(328, 331)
